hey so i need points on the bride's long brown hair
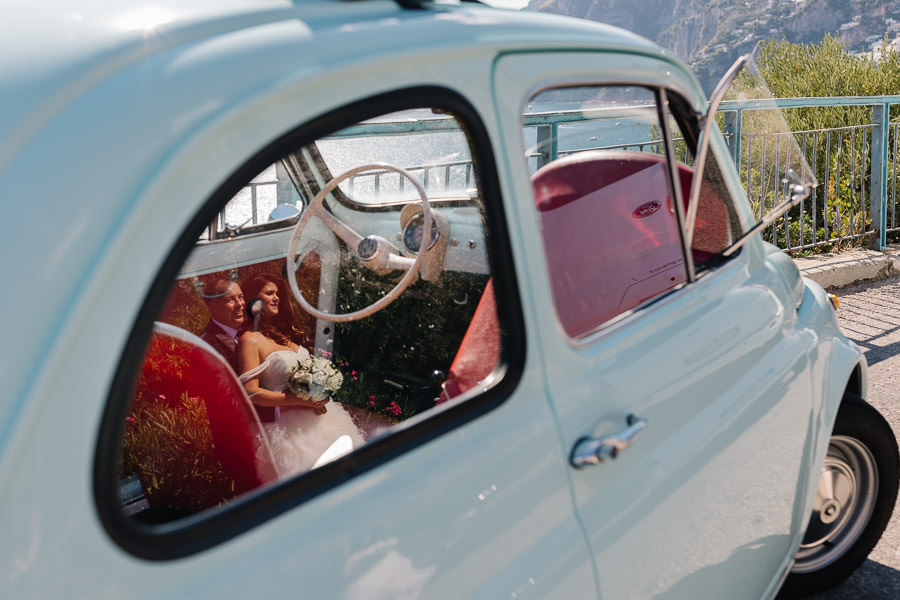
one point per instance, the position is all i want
(280, 328)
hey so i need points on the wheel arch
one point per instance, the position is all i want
(846, 374)
(843, 371)
(856, 383)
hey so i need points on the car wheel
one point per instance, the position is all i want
(854, 501)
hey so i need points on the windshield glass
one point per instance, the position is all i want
(430, 145)
(768, 137)
(771, 162)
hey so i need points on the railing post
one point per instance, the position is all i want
(732, 131)
(284, 187)
(878, 189)
(544, 141)
(554, 142)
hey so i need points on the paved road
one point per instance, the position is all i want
(870, 316)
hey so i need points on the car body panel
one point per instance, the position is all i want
(733, 317)
(116, 136)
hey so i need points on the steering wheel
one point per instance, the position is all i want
(375, 252)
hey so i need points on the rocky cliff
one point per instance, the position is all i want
(710, 34)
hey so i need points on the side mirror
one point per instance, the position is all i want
(283, 211)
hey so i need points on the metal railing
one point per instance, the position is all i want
(431, 177)
(855, 165)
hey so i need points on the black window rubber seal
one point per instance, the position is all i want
(200, 532)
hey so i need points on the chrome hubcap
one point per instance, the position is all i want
(843, 506)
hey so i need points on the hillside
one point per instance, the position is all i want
(710, 34)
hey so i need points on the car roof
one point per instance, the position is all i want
(51, 52)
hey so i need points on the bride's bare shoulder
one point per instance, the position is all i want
(254, 338)
(261, 342)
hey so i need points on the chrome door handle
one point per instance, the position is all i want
(592, 451)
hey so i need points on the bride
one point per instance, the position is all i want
(300, 429)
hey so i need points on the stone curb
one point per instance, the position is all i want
(841, 269)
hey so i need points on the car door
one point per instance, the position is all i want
(702, 359)
(464, 498)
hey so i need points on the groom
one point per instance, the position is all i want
(226, 305)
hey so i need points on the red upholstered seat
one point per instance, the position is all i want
(610, 238)
(180, 367)
(611, 243)
(479, 351)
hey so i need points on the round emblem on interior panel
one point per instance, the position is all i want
(646, 209)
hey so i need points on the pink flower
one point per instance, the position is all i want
(353, 372)
(131, 420)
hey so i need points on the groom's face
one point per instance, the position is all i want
(229, 308)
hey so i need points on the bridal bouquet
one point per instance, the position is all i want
(314, 377)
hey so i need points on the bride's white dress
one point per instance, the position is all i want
(298, 437)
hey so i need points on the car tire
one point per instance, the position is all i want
(861, 469)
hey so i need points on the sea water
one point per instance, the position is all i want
(441, 161)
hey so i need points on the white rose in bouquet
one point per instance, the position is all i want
(314, 377)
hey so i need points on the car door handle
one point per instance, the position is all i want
(593, 451)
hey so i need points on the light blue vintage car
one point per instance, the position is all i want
(374, 300)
